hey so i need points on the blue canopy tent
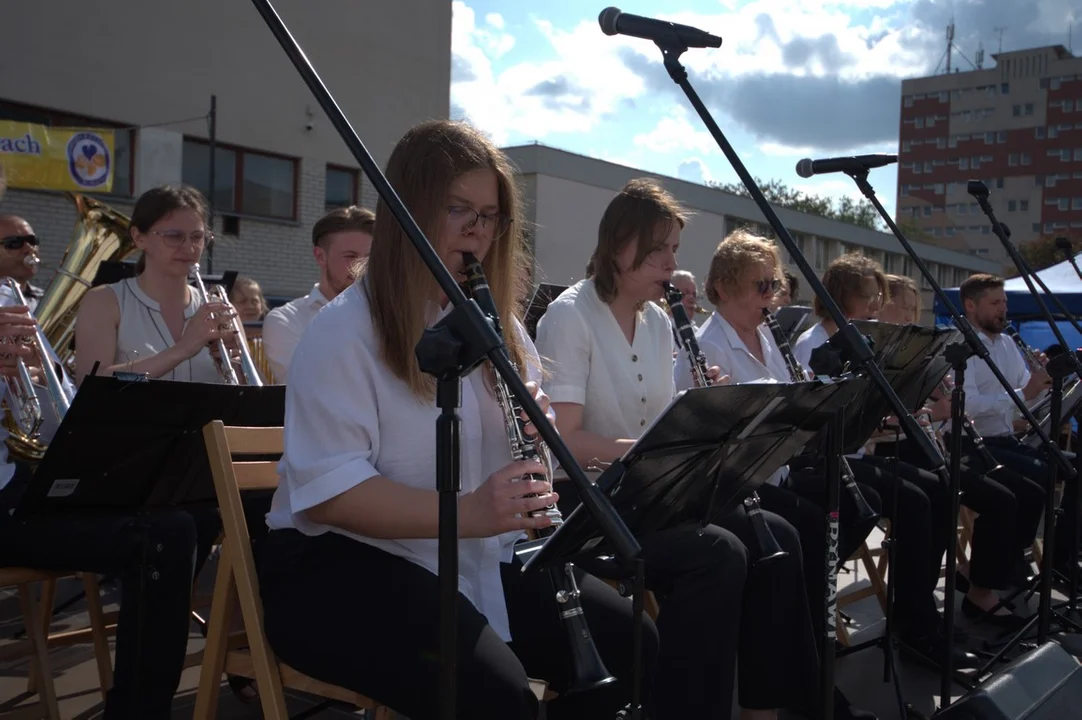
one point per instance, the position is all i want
(1022, 309)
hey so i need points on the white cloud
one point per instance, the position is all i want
(495, 20)
(536, 98)
(675, 132)
(694, 170)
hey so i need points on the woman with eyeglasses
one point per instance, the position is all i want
(154, 323)
(609, 355)
(350, 575)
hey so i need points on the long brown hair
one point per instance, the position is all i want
(843, 281)
(422, 167)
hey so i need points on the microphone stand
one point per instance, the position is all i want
(672, 47)
(1058, 368)
(957, 354)
(1068, 252)
(449, 351)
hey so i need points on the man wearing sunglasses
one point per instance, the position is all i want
(19, 257)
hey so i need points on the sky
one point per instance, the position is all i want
(792, 78)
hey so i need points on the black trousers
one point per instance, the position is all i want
(919, 533)
(150, 650)
(718, 609)
(351, 614)
(802, 503)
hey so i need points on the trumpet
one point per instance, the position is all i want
(225, 363)
(25, 415)
(587, 669)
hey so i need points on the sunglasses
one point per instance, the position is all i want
(767, 285)
(16, 242)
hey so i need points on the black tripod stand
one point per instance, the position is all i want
(958, 355)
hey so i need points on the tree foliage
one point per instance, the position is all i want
(777, 193)
(1042, 252)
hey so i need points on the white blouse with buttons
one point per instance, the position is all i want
(588, 361)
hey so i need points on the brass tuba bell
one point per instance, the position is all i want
(101, 235)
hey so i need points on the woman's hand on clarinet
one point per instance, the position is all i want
(542, 400)
(716, 378)
(499, 505)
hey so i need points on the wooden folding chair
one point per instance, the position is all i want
(237, 577)
(41, 673)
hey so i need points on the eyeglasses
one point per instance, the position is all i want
(466, 218)
(175, 238)
(16, 242)
(764, 286)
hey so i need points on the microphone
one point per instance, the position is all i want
(858, 163)
(614, 22)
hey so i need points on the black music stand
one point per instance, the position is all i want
(166, 466)
(545, 294)
(137, 447)
(707, 450)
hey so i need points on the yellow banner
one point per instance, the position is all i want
(51, 158)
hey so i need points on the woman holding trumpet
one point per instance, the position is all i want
(156, 323)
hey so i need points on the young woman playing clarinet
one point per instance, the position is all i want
(608, 352)
(349, 580)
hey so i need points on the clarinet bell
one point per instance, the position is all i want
(768, 547)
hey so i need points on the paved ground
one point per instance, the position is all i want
(859, 674)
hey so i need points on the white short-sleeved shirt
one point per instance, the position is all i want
(50, 419)
(348, 418)
(283, 327)
(988, 405)
(723, 348)
(589, 362)
(810, 339)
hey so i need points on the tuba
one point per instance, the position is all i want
(101, 235)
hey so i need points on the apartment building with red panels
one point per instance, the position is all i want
(1017, 127)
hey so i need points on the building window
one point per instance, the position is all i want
(918, 123)
(1038, 132)
(341, 190)
(245, 181)
(1078, 153)
(1001, 136)
(123, 139)
(989, 138)
(1017, 110)
(1064, 203)
(1005, 89)
(1012, 206)
(1012, 159)
(1029, 109)
(1053, 132)
(1023, 205)
(1076, 203)
(1026, 159)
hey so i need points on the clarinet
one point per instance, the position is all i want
(769, 548)
(990, 463)
(865, 512)
(587, 669)
(1027, 352)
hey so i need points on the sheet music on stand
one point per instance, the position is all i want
(126, 447)
(911, 358)
(704, 453)
(1072, 403)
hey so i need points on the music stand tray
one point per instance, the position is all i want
(707, 450)
(125, 447)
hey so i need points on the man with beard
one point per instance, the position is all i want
(340, 239)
